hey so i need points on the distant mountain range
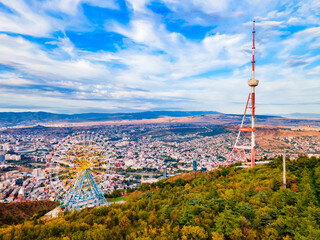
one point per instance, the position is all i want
(10, 119)
(27, 118)
(302, 115)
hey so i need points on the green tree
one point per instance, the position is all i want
(226, 222)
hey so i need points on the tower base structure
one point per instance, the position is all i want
(84, 192)
(243, 150)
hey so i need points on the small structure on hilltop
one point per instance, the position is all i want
(165, 171)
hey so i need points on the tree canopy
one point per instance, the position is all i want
(227, 203)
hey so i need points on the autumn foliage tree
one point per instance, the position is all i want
(228, 203)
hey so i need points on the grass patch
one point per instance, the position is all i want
(116, 199)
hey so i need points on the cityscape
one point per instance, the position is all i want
(146, 153)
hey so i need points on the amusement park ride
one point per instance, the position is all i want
(241, 150)
(81, 162)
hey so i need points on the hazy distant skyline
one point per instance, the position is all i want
(72, 56)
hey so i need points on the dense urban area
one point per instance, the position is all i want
(147, 153)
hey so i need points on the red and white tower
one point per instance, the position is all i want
(241, 150)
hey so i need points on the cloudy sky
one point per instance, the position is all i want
(71, 56)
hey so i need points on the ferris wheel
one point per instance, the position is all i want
(78, 168)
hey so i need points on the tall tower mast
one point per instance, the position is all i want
(240, 150)
(284, 171)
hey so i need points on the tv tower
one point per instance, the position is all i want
(241, 150)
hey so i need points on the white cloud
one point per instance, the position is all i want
(138, 5)
(32, 18)
(158, 68)
(308, 33)
(180, 57)
(141, 31)
(12, 79)
(24, 20)
(294, 21)
(72, 7)
(211, 6)
(28, 57)
(266, 24)
(207, 6)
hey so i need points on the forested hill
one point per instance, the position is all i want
(230, 203)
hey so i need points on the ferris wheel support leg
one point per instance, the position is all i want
(79, 189)
(98, 191)
(69, 195)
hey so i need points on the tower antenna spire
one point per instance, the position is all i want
(239, 152)
(253, 47)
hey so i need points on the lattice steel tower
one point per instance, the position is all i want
(241, 149)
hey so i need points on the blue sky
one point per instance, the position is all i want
(72, 56)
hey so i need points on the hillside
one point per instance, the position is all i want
(16, 212)
(232, 203)
(268, 137)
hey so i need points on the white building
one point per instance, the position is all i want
(12, 157)
(36, 172)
